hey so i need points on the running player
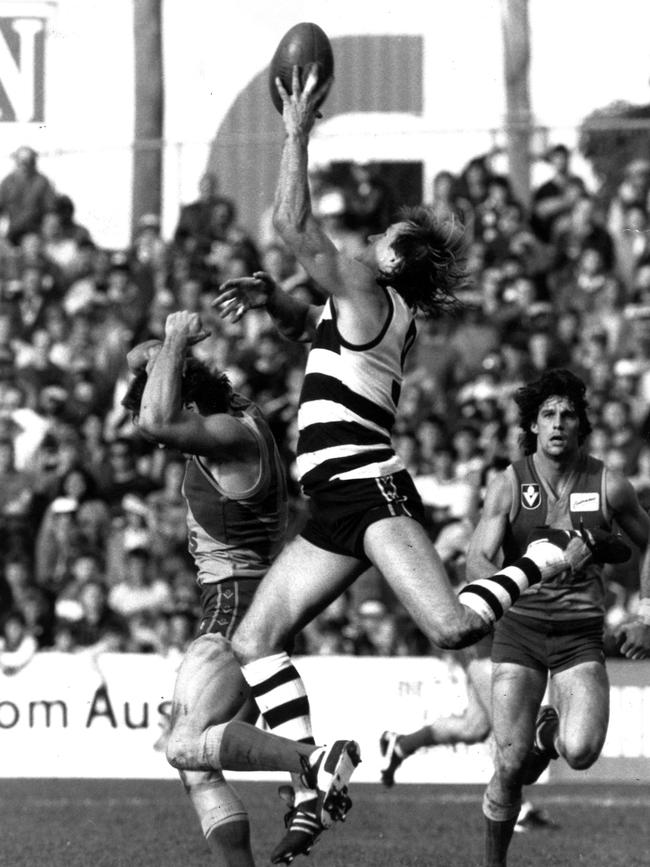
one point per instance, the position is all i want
(557, 630)
(473, 726)
(236, 497)
(363, 504)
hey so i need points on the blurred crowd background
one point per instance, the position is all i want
(94, 552)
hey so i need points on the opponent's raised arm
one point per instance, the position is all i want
(162, 415)
(294, 318)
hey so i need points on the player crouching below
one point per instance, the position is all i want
(235, 491)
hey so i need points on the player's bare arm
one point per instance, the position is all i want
(163, 417)
(483, 555)
(634, 521)
(292, 215)
(139, 357)
(293, 318)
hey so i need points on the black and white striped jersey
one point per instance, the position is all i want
(349, 400)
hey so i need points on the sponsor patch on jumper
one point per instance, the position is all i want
(584, 502)
(530, 495)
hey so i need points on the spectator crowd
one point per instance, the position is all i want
(94, 555)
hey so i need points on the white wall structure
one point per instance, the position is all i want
(72, 715)
(441, 61)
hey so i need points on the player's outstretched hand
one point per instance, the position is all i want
(634, 638)
(300, 107)
(240, 294)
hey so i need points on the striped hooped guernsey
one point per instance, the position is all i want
(237, 535)
(349, 400)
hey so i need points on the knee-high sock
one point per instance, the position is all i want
(282, 700)
(491, 597)
(500, 821)
(223, 817)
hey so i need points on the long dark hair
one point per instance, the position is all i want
(212, 392)
(432, 268)
(554, 383)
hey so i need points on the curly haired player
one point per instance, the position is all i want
(557, 630)
(235, 491)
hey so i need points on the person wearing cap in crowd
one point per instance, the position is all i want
(25, 195)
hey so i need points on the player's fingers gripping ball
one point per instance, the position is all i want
(304, 50)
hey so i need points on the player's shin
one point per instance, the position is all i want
(223, 817)
(500, 821)
(239, 746)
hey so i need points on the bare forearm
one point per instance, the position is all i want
(292, 206)
(161, 400)
(644, 575)
(478, 566)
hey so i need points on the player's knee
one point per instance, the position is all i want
(466, 629)
(451, 635)
(476, 730)
(180, 751)
(249, 644)
(509, 762)
(580, 756)
(243, 646)
(208, 648)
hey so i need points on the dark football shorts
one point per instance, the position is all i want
(224, 604)
(339, 516)
(548, 645)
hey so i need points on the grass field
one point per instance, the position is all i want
(95, 823)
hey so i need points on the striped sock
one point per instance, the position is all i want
(282, 700)
(491, 597)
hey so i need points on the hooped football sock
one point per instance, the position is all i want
(491, 597)
(280, 695)
(500, 821)
(282, 700)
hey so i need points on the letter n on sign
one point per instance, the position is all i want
(22, 70)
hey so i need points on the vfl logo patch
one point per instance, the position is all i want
(584, 502)
(530, 496)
